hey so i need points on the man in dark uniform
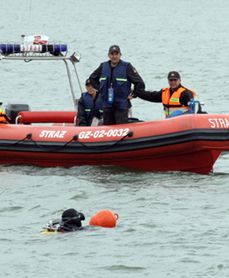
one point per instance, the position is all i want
(90, 106)
(113, 80)
(174, 98)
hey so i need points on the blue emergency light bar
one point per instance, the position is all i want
(54, 49)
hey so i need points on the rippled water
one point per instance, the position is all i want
(171, 224)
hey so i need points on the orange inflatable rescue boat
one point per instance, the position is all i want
(191, 142)
(186, 143)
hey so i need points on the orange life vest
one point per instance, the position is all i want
(172, 103)
(2, 118)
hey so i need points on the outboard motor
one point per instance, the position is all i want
(12, 110)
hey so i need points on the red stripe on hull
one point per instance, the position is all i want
(160, 159)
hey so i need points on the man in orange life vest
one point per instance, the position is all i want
(174, 98)
(2, 113)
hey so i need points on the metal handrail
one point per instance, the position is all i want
(74, 58)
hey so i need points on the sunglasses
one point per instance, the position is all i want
(173, 80)
(114, 53)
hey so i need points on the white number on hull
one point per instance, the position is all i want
(103, 133)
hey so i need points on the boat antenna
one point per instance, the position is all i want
(30, 10)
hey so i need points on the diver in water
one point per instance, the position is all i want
(71, 221)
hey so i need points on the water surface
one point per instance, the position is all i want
(171, 224)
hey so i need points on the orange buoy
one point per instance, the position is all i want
(104, 218)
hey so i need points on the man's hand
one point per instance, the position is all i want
(130, 96)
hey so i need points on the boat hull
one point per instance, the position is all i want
(190, 143)
(199, 161)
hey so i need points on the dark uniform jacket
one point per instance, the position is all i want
(87, 110)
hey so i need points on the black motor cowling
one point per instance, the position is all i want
(12, 110)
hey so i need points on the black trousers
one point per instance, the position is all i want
(113, 115)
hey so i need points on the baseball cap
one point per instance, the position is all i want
(87, 82)
(173, 75)
(114, 48)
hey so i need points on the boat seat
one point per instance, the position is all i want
(27, 117)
